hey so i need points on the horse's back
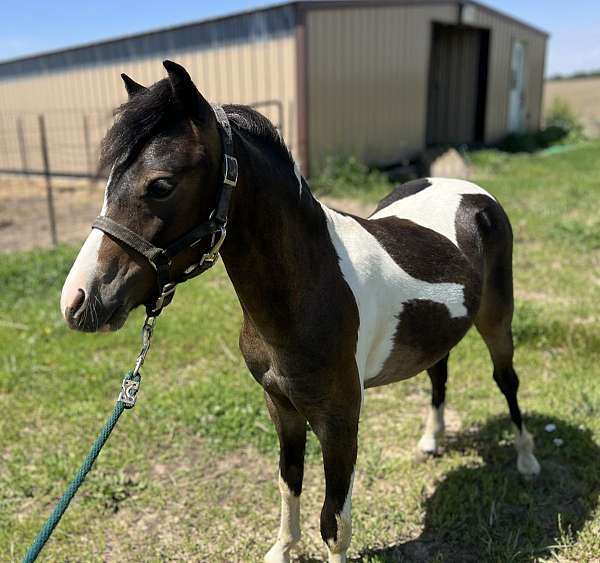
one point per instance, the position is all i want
(462, 212)
(438, 204)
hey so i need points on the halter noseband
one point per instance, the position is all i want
(161, 258)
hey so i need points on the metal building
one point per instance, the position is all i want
(378, 79)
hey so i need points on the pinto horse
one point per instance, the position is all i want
(332, 303)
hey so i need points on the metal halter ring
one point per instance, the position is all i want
(213, 254)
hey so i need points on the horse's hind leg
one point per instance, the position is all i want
(434, 426)
(493, 322)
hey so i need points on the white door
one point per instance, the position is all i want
(516, 101)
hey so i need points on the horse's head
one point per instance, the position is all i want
(164, 153)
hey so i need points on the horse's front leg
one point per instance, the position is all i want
(337, 431)
(291, 429)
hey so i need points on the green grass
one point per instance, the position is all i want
(190, 473)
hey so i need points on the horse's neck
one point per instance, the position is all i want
(275, 234)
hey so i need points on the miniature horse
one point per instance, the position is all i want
(332, 303)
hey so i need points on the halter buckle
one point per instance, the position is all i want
(213, 254)
(167, 290)
(230, 174)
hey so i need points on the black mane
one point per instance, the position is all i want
(249, 120)
(149, 112)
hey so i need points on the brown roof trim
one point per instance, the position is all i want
(176, 27)
(508, 17)
(332, 4)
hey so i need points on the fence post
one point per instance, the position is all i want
(49, 194)
(88, 147)
(22, 145)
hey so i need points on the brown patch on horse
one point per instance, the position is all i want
(424, 335)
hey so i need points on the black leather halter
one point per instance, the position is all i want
(161, 258)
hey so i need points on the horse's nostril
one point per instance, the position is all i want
(77, 303)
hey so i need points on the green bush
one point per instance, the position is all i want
(560, 114)
(348, 176)
(520, 142)
(562, 126)
(532, 142)
(551, 135)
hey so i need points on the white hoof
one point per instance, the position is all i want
(277, 555)
(434, 429)
(337, 558)
(428, 445)
(527, 465)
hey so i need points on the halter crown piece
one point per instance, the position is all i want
(161, 258)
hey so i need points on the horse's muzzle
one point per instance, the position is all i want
(87, 313)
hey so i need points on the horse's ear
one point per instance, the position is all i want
(132, 86)
(186, 92)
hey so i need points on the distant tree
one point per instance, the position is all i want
(575, 75)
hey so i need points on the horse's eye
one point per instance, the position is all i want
(161, 188)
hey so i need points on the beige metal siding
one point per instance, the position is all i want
(244, 73)
(368, 77)
(503, 33)
(367, 80)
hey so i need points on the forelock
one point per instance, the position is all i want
(136, 122)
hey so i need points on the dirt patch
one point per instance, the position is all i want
(354, 206)
(24, 217)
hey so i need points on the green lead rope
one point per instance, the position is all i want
(126, 400)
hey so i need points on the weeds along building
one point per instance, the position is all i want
(381, 80)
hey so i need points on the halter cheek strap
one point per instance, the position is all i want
(161, 258)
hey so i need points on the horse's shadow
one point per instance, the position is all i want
(489, 513)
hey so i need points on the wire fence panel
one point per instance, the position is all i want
(48, 163)
(50, 186)
(73, 142)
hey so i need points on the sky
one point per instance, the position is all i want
(33, 27)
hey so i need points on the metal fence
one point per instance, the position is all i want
(61, 143)
(49, 177)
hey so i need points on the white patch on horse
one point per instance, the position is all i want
(84, 267)
(380, 287)
(298, 177)
(105, 201)
(434, 428)
(289, 528)
(435, 207)
(337, 549)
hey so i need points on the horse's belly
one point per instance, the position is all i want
(405, 362)
(422, 334)
(409, 363)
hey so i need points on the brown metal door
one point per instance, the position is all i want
(457, 85)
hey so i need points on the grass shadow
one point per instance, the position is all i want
(489, 513)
